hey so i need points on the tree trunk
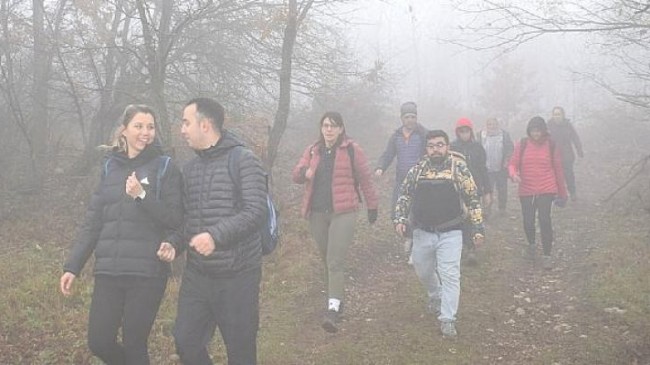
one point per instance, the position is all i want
(284, 100)
(39, 126)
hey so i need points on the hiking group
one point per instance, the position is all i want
(216, 210)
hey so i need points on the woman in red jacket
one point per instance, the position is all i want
(537, 167)
(335, 172)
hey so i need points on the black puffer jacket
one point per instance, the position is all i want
(124, 233)
(210, 198)
(476, 161)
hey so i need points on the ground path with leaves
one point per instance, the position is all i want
(511, 311)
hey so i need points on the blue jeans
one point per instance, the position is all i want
(436, 259)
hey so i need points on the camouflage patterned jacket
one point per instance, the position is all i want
(453, 167)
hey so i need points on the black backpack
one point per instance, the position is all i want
(269, 229)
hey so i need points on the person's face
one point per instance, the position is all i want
(558, 114)
(192, 129)
(464, 133)
(536, 134)
(409, 121)
(330, 130)
(139, 133)
(437, 148)
(492, 125)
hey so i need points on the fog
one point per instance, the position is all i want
(416, 40)
(70, 67)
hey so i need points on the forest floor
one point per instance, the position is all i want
(593, 307)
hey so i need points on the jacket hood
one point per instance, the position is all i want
(227, 141)
(465, 122)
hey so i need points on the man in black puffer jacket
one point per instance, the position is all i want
(220, 286)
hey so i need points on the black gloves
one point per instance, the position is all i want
(372, 216)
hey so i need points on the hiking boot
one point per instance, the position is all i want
(531, 252)
(547, 262)
(331, 320)
(433, 307)
(448, 329)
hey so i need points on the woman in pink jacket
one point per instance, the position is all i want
(536, 166)
(335, 173)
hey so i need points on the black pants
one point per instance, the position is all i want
(205, 303)
(499, 182)
(569, 177)
(130, 302)
(540, 204)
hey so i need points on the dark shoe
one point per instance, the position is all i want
(448, 329)
(531, 252)
(331, 320)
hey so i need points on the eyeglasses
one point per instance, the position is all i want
(436, 145)
(329, 126)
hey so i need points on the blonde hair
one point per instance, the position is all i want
(117, 141)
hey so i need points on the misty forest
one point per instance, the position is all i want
(68, 69)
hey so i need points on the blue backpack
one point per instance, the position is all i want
(269, 229)
(164, 162)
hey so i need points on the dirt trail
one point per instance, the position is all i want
(511, 312)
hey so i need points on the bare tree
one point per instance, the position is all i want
(618, 28)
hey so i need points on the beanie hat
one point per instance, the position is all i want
(408, 108)
(464, 122)
(537, 123)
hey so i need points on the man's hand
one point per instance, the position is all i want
(379, 172)
(66, 283)
(478, 240)
(516, 179)
(166, 252)
(400, 228)
(203, 243)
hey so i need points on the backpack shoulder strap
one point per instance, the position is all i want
(107, 163)
(233, 164)
(162, 169)
(355, 176)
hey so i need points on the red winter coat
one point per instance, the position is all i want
(344, 195)
(539, 174)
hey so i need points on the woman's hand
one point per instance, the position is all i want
(66, 283)
(309, 173)
(133, 186)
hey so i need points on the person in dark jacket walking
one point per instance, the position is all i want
(566, 138)
(407, 145)
(536, 166)
(335, 173)
(128, 216)
(476, 161)
(221, 281)
(498, 148)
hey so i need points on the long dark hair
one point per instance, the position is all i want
(336, 118)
